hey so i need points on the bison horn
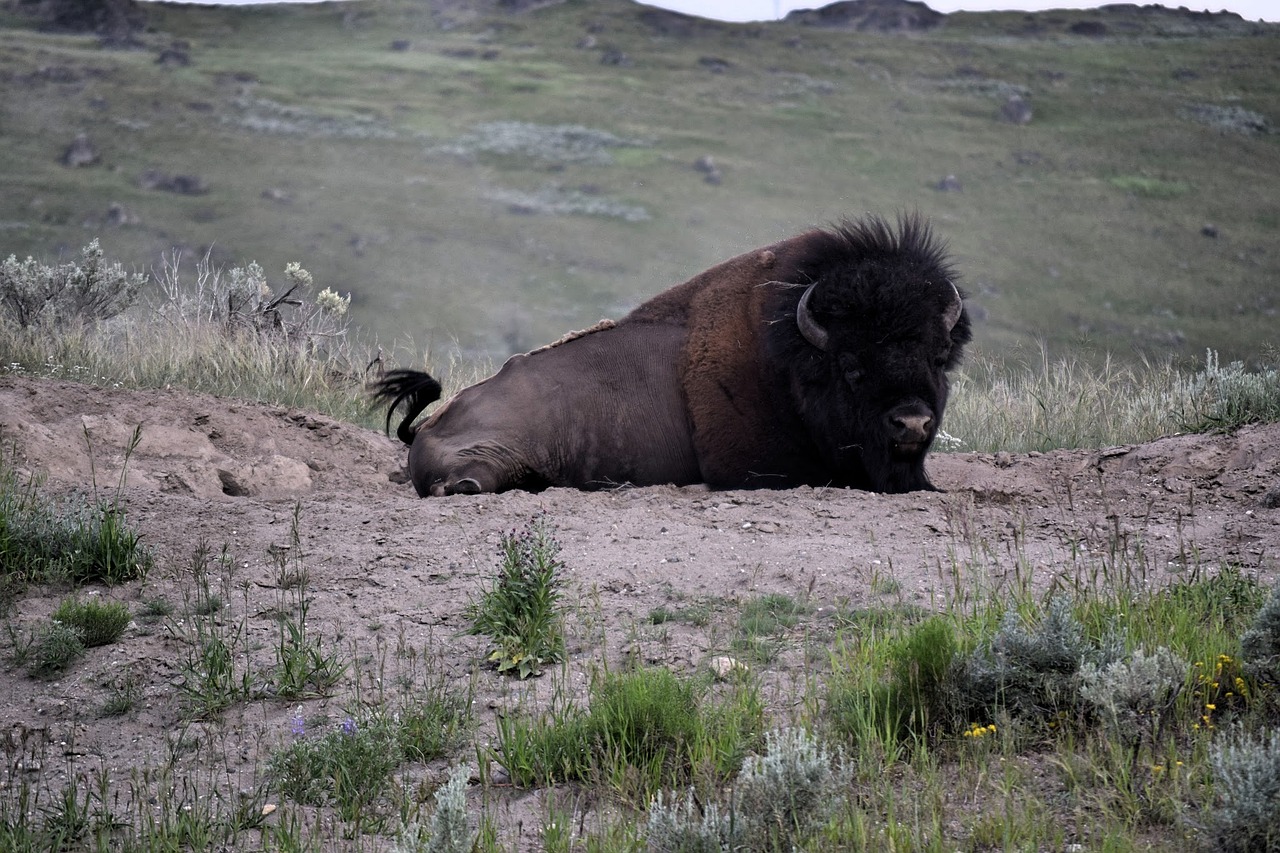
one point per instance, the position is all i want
(952, 314)
(809, 328)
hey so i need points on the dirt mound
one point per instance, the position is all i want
(384, 565)
(193, 444)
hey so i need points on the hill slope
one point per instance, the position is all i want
(498, 173)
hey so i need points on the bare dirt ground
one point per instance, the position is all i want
(389, 570)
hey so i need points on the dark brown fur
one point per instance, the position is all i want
(712, 381)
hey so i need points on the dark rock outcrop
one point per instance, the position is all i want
(886, 16)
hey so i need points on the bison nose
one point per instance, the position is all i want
(911, 428)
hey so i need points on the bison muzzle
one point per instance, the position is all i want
(820, 360)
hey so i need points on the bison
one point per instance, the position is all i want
(820, 360)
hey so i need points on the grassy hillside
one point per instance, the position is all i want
(494, 178)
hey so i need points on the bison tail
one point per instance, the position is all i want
(415, 389)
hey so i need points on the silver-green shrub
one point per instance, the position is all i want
(33, 293)
(1031, 671)
(1135, 698)
(1246, 771)
(449, 831)
(1229, 397)
(680, 826)
(241, 299)
(1260, 645)
(779, 799)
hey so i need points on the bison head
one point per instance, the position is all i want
(878, 324)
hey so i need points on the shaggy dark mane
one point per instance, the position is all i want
(874, 241)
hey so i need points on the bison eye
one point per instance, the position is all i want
(853, 376)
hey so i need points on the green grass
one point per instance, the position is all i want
(641, 731)
(78, 539)
(98, 623)
(1103, 709)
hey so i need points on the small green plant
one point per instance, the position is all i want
(1145, 186)
(51, 650)
(521, 611)
(73, 540)
(215, 673)
(1246, 771)
(303, 668)
(430, 723)
(122, 696)
(914, 701)
(98, 623)
(349, 767)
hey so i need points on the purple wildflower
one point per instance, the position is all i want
(349, 727)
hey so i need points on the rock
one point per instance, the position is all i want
(176, 55)
(1093, 29)
(949, 184)
(81, 152)
(710, 171)
(715, 64)
(613, 56)
(723, 666)
(118, 216)
(1209, 230)
(1016, 110)
(154, 179)
(401, 45)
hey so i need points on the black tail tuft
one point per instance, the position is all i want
(398, 386)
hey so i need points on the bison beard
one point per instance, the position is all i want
(820, 360)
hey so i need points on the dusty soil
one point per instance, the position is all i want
(390, 571)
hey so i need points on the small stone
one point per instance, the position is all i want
(724, 666)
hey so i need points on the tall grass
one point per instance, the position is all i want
(234, 332)
(1049, 403)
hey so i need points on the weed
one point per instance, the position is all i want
(349, 767)
(47, 651)
(98, 623)
(1260, 645)
(1148, 187)
(123, 695)
(449, 831)
(215, 673)
(521, 611)
(432, 722)
(1230, 119)
(1031, 672)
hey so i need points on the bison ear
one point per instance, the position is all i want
(809, 328)
(952, 315)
